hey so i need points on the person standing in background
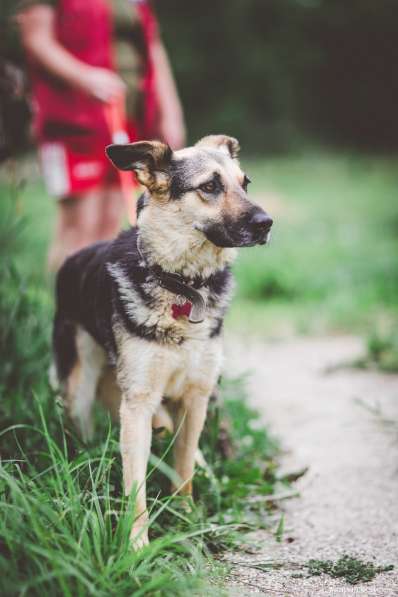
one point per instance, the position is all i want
(82, 57)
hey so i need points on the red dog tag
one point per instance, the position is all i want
(181, 310)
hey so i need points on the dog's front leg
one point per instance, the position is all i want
(136, 413)
(141, 374)
(190, 419)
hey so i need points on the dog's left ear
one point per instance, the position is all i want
(229, 145)
(150, 160)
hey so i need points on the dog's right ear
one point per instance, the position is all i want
(228, 145)
(150, 160)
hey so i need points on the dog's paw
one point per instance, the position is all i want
(139, 537)
(84, 425)
(185, 504)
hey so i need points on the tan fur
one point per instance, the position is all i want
(110, 397)
(184, 362)
(146, 373)
(81, 387)
(159, 224)
(108, 392)
(182, 220)
(155, 179)
(229, 145)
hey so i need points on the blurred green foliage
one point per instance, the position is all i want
(10, 46)
(381, 351)
(332, 261)
(275, 72)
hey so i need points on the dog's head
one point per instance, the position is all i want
(203, 186)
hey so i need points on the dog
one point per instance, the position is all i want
(150, 305)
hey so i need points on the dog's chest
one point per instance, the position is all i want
(170, 318)
(159, 315)
(192, 364)
(165, 369)
(149, 311)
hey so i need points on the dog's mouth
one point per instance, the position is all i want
(248, 232)
(223, 238)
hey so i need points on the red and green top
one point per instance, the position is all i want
(114, 34)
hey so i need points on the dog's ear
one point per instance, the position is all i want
(229, 145)
(150, 160)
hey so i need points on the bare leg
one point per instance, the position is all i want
(83, 220)
(110, 213)
(75, 227)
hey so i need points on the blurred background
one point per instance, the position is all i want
(278, 74)
(310, 89)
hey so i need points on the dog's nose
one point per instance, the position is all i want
(260, 221)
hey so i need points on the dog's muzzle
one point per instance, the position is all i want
(260, 227)
(253, 228)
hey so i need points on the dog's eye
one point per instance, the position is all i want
(246, 182)
(208, 187)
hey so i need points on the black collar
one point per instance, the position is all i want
(180, 286)
(197, 282)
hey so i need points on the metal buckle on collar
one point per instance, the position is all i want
(197, 314)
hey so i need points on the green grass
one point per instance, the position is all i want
(332, 262)
(64, 523)
(348, 568)
(381, 351)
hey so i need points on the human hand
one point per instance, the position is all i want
(101, 83)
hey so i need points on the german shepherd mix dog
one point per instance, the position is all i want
(151, 303)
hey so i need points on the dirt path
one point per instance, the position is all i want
(349, 496)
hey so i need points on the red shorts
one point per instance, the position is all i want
(72, 166)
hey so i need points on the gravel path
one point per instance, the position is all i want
(349, 497)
